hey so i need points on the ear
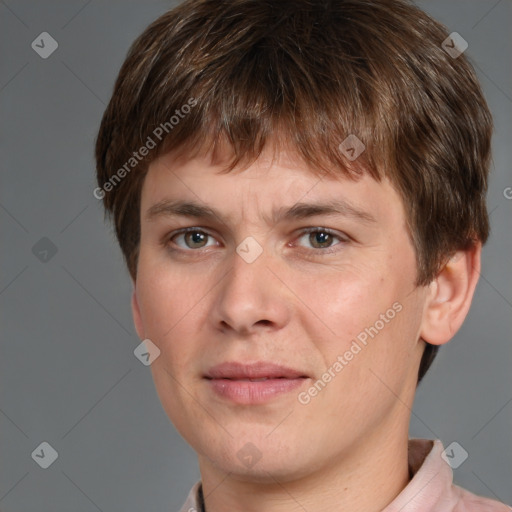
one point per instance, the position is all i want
(450, 295)
(137, 319)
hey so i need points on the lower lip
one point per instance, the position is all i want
(247, 392)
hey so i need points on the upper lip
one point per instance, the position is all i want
(259, 370)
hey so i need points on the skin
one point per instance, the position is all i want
(301, 303)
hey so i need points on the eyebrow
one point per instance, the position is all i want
(172, 208)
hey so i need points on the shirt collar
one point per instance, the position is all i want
(431, 481)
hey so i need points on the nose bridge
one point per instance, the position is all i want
(250, 259)
(250, 294)
(248, 273)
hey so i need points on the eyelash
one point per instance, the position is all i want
(327, 250)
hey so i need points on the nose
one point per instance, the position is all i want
(251, 297)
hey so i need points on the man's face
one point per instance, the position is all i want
(331, 317)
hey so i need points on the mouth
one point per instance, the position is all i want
(254, 383)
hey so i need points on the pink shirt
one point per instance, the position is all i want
(431, 488)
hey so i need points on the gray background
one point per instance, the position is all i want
(68, 373)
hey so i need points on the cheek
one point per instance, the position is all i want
(370, 369)
(171, 312)
(170, 306)
(163, 291)
(368, 316)
(347, 301)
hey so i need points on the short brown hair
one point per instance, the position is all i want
(310, 72)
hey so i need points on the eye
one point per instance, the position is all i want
(321, 238)
(193, 238)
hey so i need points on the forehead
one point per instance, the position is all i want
(274, 187)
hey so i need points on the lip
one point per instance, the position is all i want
(261, 369)
(253, 383)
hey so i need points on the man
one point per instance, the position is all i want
(298, 189)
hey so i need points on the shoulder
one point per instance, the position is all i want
(469, 502)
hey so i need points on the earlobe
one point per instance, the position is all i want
(450, 295)
(137, 319)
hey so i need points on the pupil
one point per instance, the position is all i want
(197, 237)
(321, 237)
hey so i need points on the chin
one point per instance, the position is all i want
(269, 472)
(256, 459)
